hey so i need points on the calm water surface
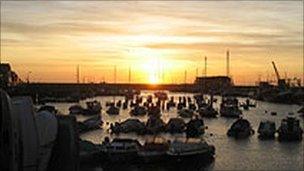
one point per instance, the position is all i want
(231, 154)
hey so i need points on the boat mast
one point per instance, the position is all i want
(205, 66)
(77, 74)
(227, 63)
(129, 74)
(114, 84)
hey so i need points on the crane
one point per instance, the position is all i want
(281, 82)
(276, 70)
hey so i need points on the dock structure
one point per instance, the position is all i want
(216, 84)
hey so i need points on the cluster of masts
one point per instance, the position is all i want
(185, 72)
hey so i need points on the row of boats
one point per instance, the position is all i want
(195, 127)
(186, 107)
(154, 125)
(129, 151)
(289, 130)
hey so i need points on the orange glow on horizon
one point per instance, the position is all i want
(159, 41)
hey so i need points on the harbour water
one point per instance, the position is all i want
(231, 154)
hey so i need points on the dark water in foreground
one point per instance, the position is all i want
(231, 154)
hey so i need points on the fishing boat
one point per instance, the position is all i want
(190, 151)
(153, 152)
(267, 130)
(290, 130)
(122, 150)
(229, 108)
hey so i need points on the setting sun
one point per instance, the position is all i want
(159, 41)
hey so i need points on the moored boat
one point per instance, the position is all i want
(290, 130)
(113, 110)
(76, 109)
(195, 127)
(93, 123)
(185, 113)
(175, 125)
(208, 112)
(161, 95)
(181, 152)
(152, 152)
(138, 111)
(128, 126)
(240, 129)
(122, 150)
(93, 108)
(155, 125)
(301, 112)
(229, 108)
(267, 130)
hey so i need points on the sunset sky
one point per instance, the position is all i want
(157, 40)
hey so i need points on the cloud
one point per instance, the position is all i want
(98, 33)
